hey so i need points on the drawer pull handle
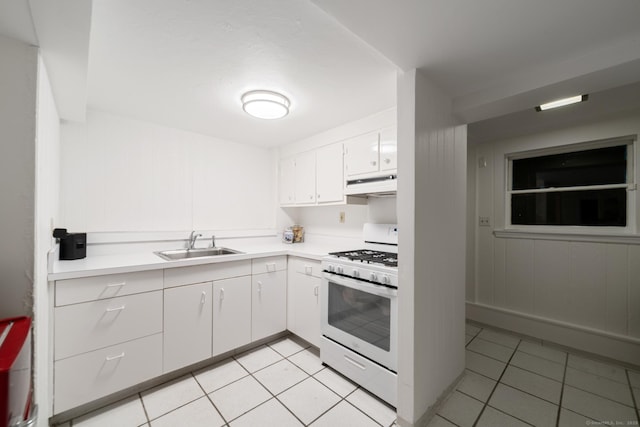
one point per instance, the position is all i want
(259, 286)
(116, 285)
(354, 363)
(315, 291)
(308, 269)
(271, 266)
(110, 310)
(110, 358)
(203, 298)
(221, 294)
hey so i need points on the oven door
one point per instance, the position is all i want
(361, 316)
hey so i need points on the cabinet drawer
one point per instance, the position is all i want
(91, 325)
(83, 378)
(206, 273)
(306, 266)
(73, 291)
(268, 265)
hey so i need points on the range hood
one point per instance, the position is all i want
(377, 186)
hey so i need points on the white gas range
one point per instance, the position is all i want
(360, 312)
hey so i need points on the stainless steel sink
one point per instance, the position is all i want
(195, 253)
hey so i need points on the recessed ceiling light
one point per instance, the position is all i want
(562, 102)
(265, 104)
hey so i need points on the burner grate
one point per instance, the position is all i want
(367, 256)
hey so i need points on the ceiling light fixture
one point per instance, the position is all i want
(562, 102)
(265, 104)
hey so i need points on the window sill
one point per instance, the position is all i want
(629, 239)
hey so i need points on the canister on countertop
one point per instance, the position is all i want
(298, 233)
(287, 235)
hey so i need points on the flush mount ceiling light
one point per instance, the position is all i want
(562, 102)
(265, 104)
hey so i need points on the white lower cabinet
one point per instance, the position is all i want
(106, 341)
(188, 314)
(89, 376)
(95, 324)
(231, 313)
(268, 304)
(303, 302)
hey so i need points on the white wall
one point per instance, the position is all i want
(18, 74)
(578, 283)
(121, 174)
(325, 220)
(46, 213)
(431, 219)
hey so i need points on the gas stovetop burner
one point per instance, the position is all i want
(367, 256)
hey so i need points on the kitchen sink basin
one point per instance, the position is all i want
(195, 253)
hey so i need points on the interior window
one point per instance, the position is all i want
(587, 187)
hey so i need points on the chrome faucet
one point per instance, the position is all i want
(192, 240)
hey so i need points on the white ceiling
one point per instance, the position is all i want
(15, 21)
(185, 63)
(493, 56)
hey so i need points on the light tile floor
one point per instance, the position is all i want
(509, 381)
(514, 381)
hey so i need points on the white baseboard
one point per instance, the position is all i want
(619, 347)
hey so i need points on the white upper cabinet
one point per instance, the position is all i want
(287, 181)
(389, 149)
(305, 178)
(361, 154)
(313, 178)
(329, 174)
(371, 153)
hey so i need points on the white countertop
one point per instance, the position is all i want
(142, 261)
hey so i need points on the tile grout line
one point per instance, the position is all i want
(144, 408)
(273, 396)
(475, 423)
(250, 374)
(209, 398)
(495, 409)
(360, 410)
(564, 378)
(290, 387)
(633, 396)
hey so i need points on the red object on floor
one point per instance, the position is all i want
(15, 370)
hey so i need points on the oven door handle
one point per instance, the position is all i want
(371, 288)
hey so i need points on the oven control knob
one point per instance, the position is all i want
(356, 273)
(331, 268)
(340, 270)
(373, 277)
(386, 280)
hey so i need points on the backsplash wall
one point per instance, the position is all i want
(325, 220)
(121, 174)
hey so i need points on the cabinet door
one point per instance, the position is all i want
(329, 174)
(187, 325)
(268, 304)
(305, 181)
(389, 149)
(231, 313)
(287, 180)
(304, 307)
(361, 154)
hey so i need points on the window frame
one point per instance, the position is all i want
(630, 185)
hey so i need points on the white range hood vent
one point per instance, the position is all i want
(378, 186)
